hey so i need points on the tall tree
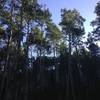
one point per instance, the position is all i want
(72, 28)
(96, 23)
(54, 36)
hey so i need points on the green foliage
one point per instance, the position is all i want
(63, 48)
(72, 24)
(53, 31)
(71, 21)
(96, 23)
(38, 36)
(35, 62)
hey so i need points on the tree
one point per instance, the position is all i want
(96, 23)
(94, 36)
(72, 28)
(54, 37)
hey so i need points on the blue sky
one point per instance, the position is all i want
(85, 7)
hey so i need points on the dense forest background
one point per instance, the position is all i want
(42, 60)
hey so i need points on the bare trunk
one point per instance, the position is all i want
(27, 64)
(7, 66)
(56, 62)
(70, 84)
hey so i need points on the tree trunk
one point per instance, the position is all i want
(7, 62)
(70, 84)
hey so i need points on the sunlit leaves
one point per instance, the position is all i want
(53, 31)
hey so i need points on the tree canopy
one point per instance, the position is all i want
(42, 60)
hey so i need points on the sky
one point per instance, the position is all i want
(85, 7)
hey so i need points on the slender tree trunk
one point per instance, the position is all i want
(41, 70)
(42, 84)
(27, 64)
(70, 76)
(7, 66)
(5, 69)
(79, 72)
(56, 62)
(17, 91)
